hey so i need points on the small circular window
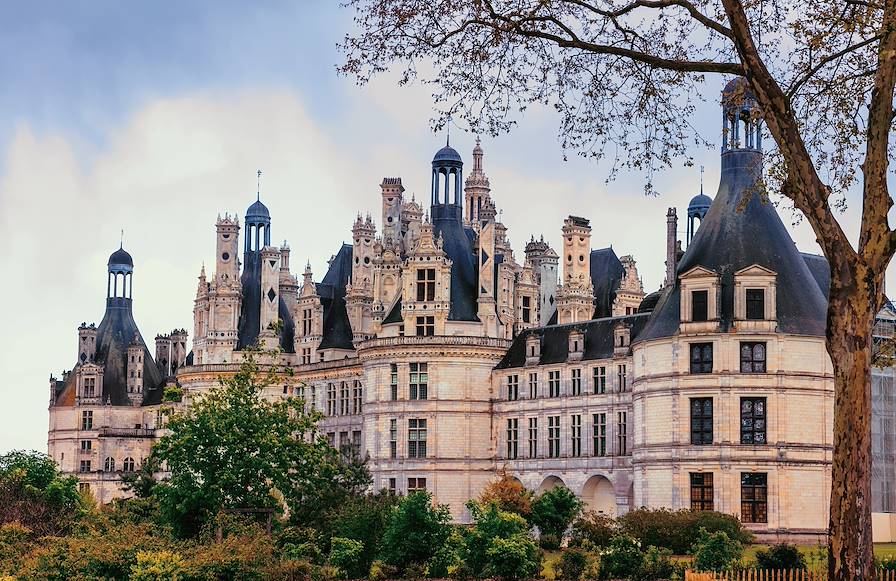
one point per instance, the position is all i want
(225, 256)
(366, 260)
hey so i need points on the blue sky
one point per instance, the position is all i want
(153, 118)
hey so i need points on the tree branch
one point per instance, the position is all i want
(794, 87)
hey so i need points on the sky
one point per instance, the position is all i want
(152, 118)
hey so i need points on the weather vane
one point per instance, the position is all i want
(258, 186)
(121, 240)
(701, 179)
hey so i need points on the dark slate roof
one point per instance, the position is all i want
(394, 315)
(447, 153)
(730, 239)
(648, 303)
(447, 223)
(114, 334)
(121, 256)
(700, 202)
(606, 274)
(258, 210)
(337, 329)
(821, 271)
(250, 312)
(555, 340)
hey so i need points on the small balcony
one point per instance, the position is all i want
(127, 433)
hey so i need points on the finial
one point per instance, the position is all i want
(448, 134)
(121, 240)
(258, 187)
(477, 141)
(500, 214)
(701, 180)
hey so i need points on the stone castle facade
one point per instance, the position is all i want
(434, 351)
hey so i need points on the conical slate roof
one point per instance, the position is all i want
(731, 238)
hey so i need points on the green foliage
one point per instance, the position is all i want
(516, 557)
(449, 559)
(363, 518)
(36, 495)
(234, 448)
(594, 528)
(414, 532)
(549, 542)
(299, 543)
(887, 563)
(622, 559)
(490, 523)
(346, 555)
(172, 394)
(716, 551)
(676, 529)
(16, 541)
(380, 571)
(554, 510)
(573, 564)
(157, 566)
(783, 556)
(657, 564)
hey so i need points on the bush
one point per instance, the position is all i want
(290, 570)
(415, 518)
(573, 563)
(676, 529)
(716, 551)
(380, 571)
(716, 521)
(449, 559)
(622, 559)
(299, 544)
(783, 556)
(594, 528)
(346, 554)
(157, 566)
(549, 542)
(657, 564)
(513, 558)
(888, 563)
(554, 510)
(509, 494)
(363, 518)
(490, 522)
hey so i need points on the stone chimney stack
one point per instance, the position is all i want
(671, 246)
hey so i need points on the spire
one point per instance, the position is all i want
(258, 187)
(701, 180)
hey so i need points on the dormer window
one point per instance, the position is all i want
(533, 350)
(426, 284)
(755, 304)
(576, 345)
(699, 306)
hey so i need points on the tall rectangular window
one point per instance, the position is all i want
(701, 357)
(356, 441)
(533, 437)
(87, 420)
(701, 491)
(527, 309)
(426, 284)
(622, 378)
(306, 322)
(419, 381)
(85, 466)
(345, 447)
(392, 486)
(426, 326)
(752, 420)
(86, 445)
(752, 357)
(754, 497)
(755, 304)
(513, 441)
(416, 438)
(575, 435)
(513, 387)
(553, 436)
(533, 385)
(600, 379)
(393, 381)
(699, 306)
(701, 420)
(416, 484)
(313, 398)
(622, 433)
(576, 381)
(554, 383)
(331, 399)
(343, 398)
(357, 397)
(600, 434)
(393, 438)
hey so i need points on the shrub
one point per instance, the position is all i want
(380, 571)
(490, 522)
(622, 559)
(290, 570)
(713, 521)
(783, 556)
(595, 528)
(888, 563)
(449, 559)
(363, 518)
(677, 529)
(573, 563)
(657, 564)
(346, 554)
(513, 558)
(157, 566)
(554, 510)
(300, 544)
(509, 494)
(716, 551)
(549, 542)
(415, 518)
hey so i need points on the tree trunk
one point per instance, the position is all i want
(854, 296)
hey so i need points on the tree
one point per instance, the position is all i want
(490, 523)
(554, 510)
(509, 494)
(363, 518)
(233, 448)
(416, 530)
(624, 76)
(36, 495)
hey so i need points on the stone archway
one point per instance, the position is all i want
(550, 483)
(599, 496)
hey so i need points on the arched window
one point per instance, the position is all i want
(128, 464)
(110, 464)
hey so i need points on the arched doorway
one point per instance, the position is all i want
(599, 496)
(550, 483)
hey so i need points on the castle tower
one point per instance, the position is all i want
(476, 189)
(134, 371)
(164, 354)
(697, 209)
(630, 292)
(86, 343)
(227, 266)
(200, 319)
(486, 299)
(575, 299)
(256, 236)
(526, 299)
(309, 319)
(544, 263)
(391, 191)
(359, 293)
(178, 349)
(270, 298)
